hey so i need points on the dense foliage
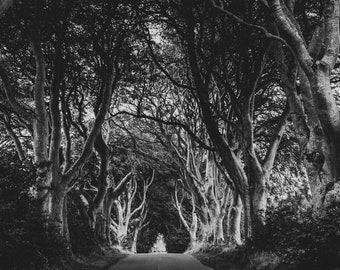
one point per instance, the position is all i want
(24, 241)
(300, 237)
(214, 124)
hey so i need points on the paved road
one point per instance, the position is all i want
(159, 261)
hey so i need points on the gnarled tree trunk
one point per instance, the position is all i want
(234, 219)
(103, 220)
(323, 115)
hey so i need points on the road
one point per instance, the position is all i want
(159, 261)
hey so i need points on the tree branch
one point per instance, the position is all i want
(173, 123)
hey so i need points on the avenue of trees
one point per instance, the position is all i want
(208, 122)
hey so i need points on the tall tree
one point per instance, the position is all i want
(227, 80)
(316, 55)
(50, 43)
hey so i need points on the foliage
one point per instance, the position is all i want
(159, 245)
(302, 237)
(177, 239)
(222, 256)
(156, 97)
(263, 260)
(146, 239)
(24, 241)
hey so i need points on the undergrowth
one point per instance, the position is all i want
(292, 239)
(25, 240)
(303, 238)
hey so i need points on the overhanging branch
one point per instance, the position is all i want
(168, 123)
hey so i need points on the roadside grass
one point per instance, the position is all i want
(96, 261)
(224, 257)
(221, 257)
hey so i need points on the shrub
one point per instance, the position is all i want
(25, 242)
(302, 237)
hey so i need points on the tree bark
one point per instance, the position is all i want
(103, 223)
(234, 219)
(97, 204)
(105, 235)
(134, 241)
(40, 128)
(219, 234)
(317, 65)
(58, 216)
(100, 226)
(190, 225)
(193, 231)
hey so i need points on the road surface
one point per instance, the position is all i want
(159, 261)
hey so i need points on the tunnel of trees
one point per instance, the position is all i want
(213, 123)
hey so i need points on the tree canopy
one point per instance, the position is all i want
(194, 122)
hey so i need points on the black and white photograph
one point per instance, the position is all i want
(169, 135)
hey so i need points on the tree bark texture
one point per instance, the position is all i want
(323, 155)
(234, 219)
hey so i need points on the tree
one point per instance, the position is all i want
(127, 207)
(53, 67)
(228, 94)
(316, 57)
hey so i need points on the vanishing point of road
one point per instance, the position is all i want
(159, 261)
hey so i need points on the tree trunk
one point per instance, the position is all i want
(308, 130)
(134, 241)
(103, 222)
(40, 127)
(121, 234)
(259, 206)
(205, 232)
(100, 227)
(317, 160)
(193, 231)
(219, 231)
(58, 217)
(317, 62)
(216, 223)
(327, 163)
(234, 219)
(96, 206)
(107, 207)
(193, 240)
(66, 232)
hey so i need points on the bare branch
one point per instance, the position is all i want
(23, 111)
(266, 33)
(275, 142)
(165, 122)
